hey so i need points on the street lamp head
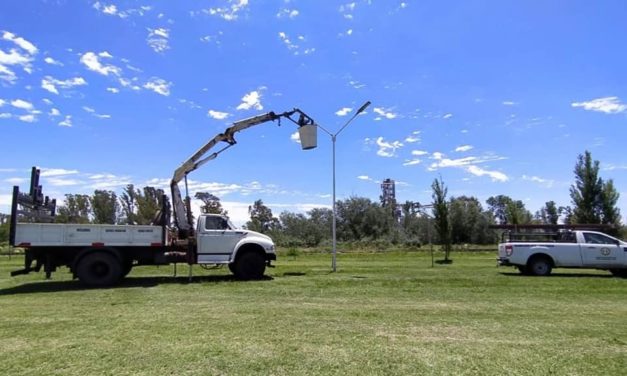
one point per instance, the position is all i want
(362, 108)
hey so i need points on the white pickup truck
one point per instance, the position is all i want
(569, 249)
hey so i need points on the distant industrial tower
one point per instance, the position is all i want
(388, 198)
(388, 192)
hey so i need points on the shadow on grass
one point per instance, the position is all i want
(294, 274)
(128, 282)
(565, 275)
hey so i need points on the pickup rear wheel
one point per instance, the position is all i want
(540, 266)
(622, 273)
(99, 269)
(250, 265)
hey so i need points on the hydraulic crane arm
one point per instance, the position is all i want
(182, 209)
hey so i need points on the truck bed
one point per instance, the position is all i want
(56, 234)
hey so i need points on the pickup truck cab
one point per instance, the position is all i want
(571, 249)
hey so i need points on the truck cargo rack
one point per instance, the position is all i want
(545, 233)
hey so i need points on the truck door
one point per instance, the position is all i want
(216, 240)
(601, 251)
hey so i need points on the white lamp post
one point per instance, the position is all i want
(333, 138)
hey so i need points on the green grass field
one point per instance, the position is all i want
(380, 314)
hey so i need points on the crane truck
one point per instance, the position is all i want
(102, 254)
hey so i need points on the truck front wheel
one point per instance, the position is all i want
(250, 265)
(99, 269)
(540, 266)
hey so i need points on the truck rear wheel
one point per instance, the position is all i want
(250, 265)
(540, 266)
(99, 269)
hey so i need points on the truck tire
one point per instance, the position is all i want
(99, 269)
(249, 266)
(539, 266)
(127, 266)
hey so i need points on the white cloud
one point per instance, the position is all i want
(411, 162)
(159, 86)
(419, 152)
(113, 90)
(347, 10)
(387, 149)
(52, 61)
(509, 103)
(607, 105)
(356, 84)
(22, 56)
(5, 115)
(218, 115)
(92, 62)
(89, 109)
(110, 9)
(251, 100)
(447, 116)
(290, 13)
(30, 118)
(67, 122)
(48, 172)
(386, 113)
(6, 74)
(59, 182)
(21, 42)
(295, 48)
(364, 177)
(295, 137)
(22, 104)
(2, 102)
(343, 111)
(54, 112)
(463, 148)
(230, 12)
(50, 84)
(158, 39)
(494, 175)
(413, 138)
(548, 183)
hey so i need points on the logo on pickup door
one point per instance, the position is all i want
(605, 251)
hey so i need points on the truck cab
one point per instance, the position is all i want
(246, 252)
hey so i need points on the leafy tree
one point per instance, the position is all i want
(261, 218)
(76, 208)
(610, 214)
(508, 211)
(586, 192)
(129, 201)
(594, 201)
(549, 214)
(5, 224)
(148, 204)
(441, 215)
(210, 204)
(105, 206)
(360, 218)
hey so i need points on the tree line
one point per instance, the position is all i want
(445, 220)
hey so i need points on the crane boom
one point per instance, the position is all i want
(182, 209)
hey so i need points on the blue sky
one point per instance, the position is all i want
(496, 97)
